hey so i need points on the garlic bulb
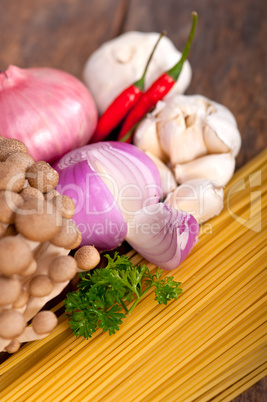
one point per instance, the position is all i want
(167, 179)
(217, 167)
(120, 62)
(202, 198)
(189, 127)
(146, 136)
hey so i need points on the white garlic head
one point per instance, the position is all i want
(189, 127)
(121, 61)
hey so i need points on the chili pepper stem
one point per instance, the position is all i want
(174, 72)
(141, 82)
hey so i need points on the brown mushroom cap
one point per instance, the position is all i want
(40, 286)
(9, 201)
(44, 322)
(13, 346)
(65, 204)
(38, 220)
(12, 324)
(77, 241)
(62, 268)
(30, 270)
(21, 159)
(22, 300)
(10, 289)
(67, 234)
(51, 194)
(42, 176)
(12, 177)
(10, 146)
(31, 192)
(15, 255)
(87, 257)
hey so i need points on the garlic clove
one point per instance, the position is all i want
(168, 182)
(221, 135)
(146, 138)
(202, 198)
(217, 167)
(182, 144)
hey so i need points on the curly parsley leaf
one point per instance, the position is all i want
(103, 294)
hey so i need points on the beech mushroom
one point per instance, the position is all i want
(16, 255)
(67, 234)
(62, 268)
(87, 257)
(38, 220)
(9, 201)
(77, 241)
(13, 346)
(30, 270)
(42, 176)
(33, 270)
(10, 289)
(44, 322)
(51, 194)
(40, 286)
(12, 324)
(10, 146)
(65, 204)
(22, 299)
(24, 160)
(12, 177)
(31, 192)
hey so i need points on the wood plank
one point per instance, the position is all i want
(60, 34)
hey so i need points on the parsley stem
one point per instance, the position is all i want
(134, 305)
(137, 300)
(124, 306)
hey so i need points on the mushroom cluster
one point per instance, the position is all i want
(36, 235)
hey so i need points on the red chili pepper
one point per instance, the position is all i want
(119, 108)
(156, 92)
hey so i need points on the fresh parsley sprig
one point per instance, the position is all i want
(105, 296)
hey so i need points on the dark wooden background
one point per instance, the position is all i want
(228, 56)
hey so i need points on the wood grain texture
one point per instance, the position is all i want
(60, 34)
(228, 56)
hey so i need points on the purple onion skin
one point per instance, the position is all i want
(163, 235)
(98, 215)
(49, 110)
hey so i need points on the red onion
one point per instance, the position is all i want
(51, 111)
(116, 189)
(109, 182)
(163, 235)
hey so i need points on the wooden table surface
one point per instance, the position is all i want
(228, 56)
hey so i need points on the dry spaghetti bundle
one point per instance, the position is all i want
(208, 344)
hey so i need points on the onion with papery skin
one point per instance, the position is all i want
(108, 182)
(51, 111)
(116, 189)
(163, 235)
